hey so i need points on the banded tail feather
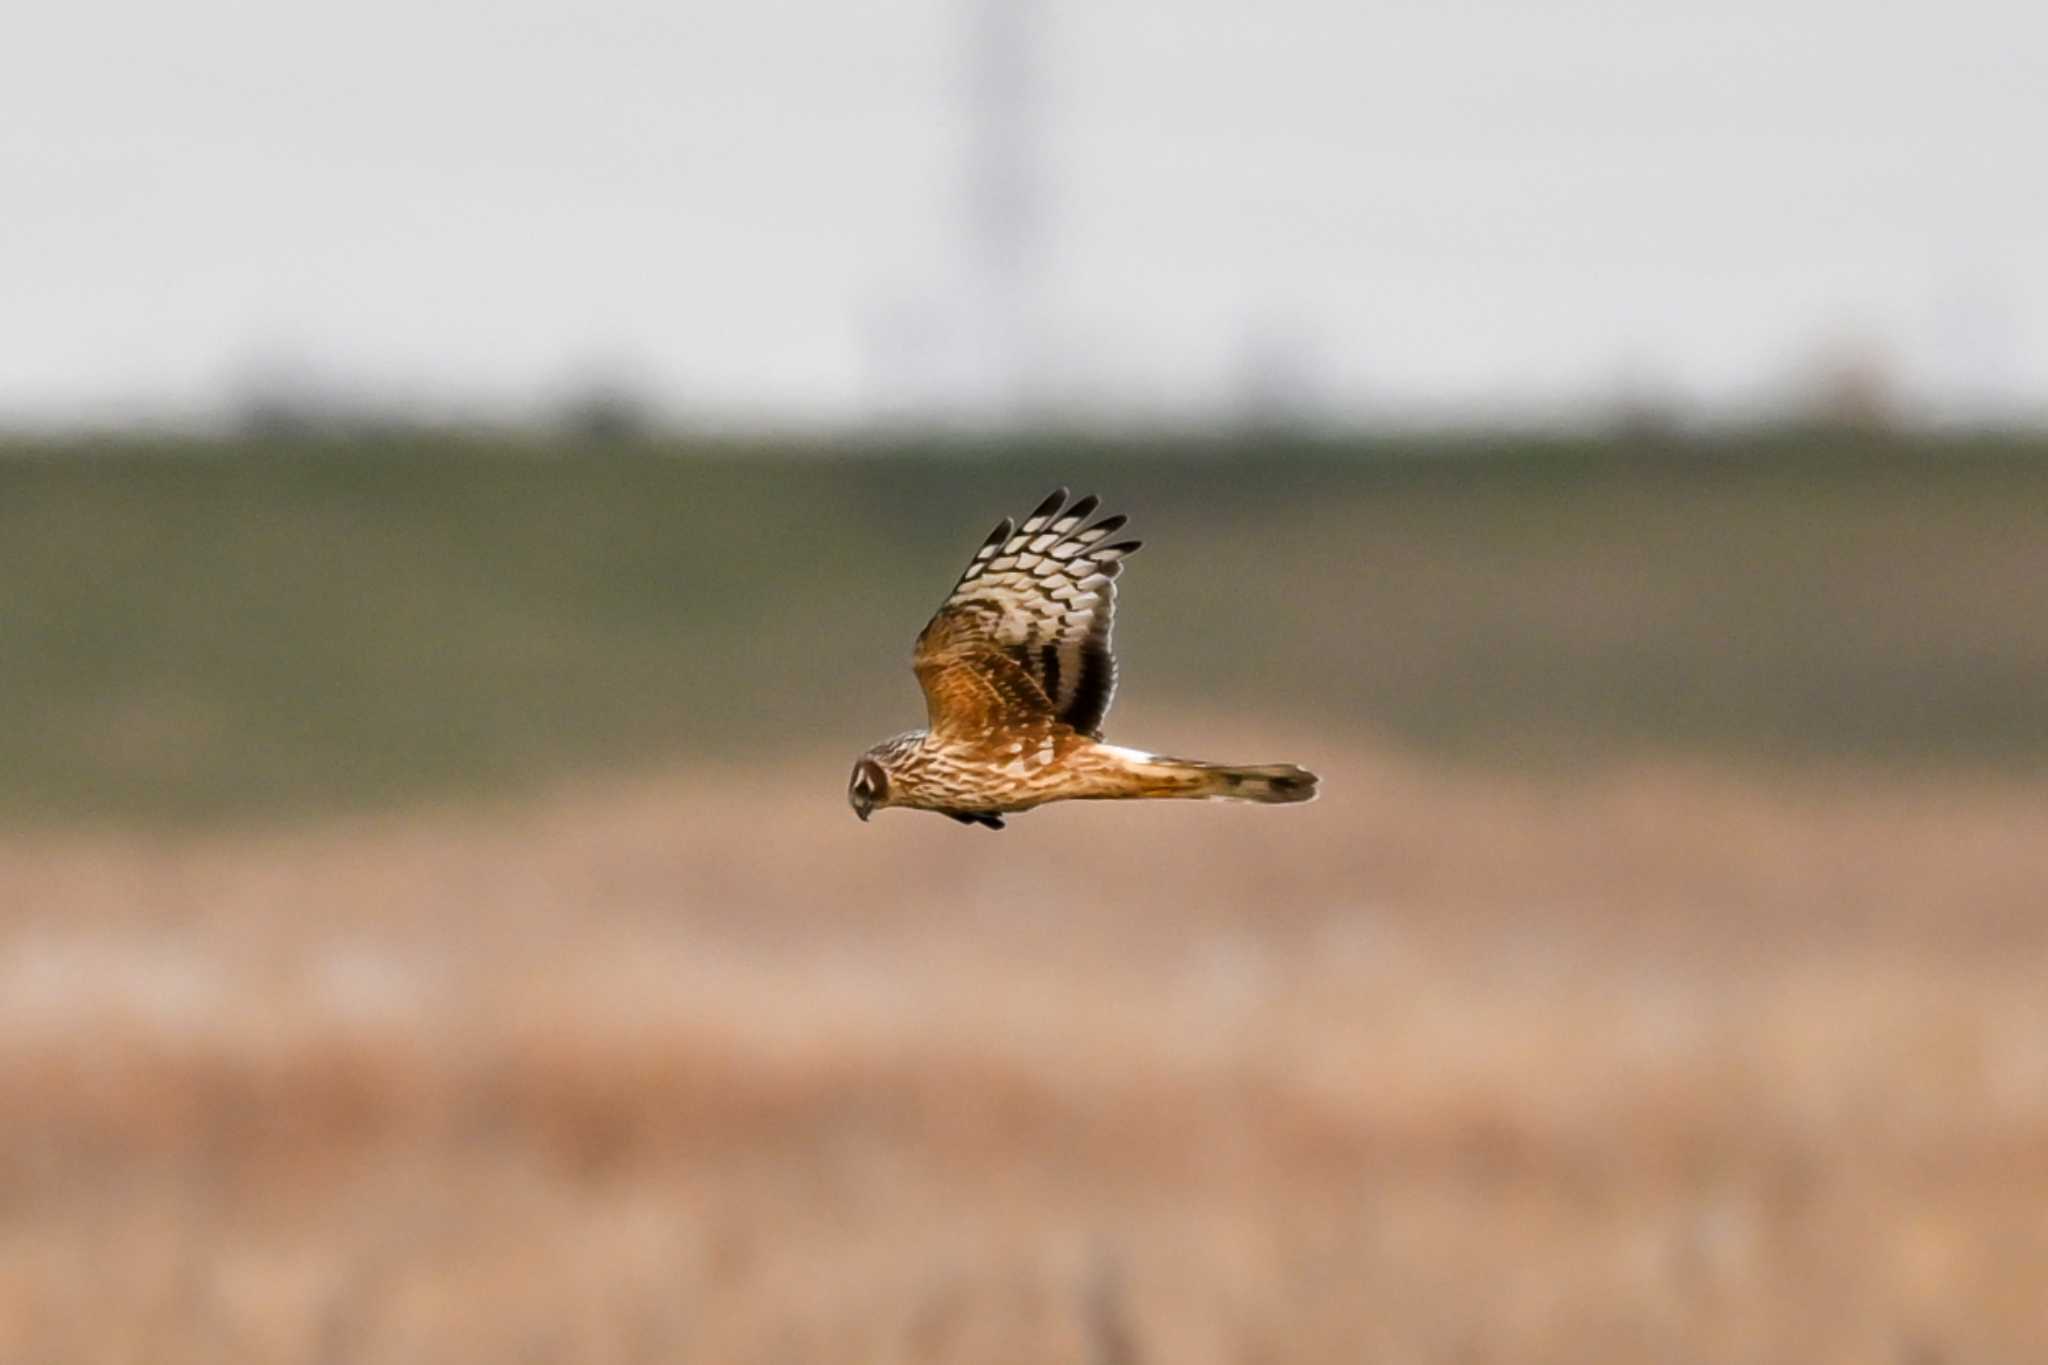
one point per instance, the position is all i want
(1276, 784)
(1155, 775)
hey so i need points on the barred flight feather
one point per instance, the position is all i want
(1044, 591)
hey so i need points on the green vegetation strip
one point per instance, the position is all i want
(237, 629)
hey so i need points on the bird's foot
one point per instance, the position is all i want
(977, 817)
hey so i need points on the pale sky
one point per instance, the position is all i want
(758, 211)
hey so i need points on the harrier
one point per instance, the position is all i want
(1017, 675)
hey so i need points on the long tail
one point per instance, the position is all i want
(1154, 775)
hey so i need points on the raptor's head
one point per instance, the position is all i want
(868, 789)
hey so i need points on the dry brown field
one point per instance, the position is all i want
(1643, 1063)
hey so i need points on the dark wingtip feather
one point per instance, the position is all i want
(1123, 547)
(1054, 501)
(1110, 525)
(1000, 534)
(1084, 506)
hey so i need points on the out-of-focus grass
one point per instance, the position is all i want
(1649, 1065)
(240, 628)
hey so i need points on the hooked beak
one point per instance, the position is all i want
(863, 809)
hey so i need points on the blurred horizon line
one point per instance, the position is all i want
(1848, 388)
(626, 425)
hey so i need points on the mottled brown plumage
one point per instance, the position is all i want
(1018, 674)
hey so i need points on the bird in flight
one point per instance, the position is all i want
(1017, 676)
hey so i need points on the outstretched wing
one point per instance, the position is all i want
(1036, 606)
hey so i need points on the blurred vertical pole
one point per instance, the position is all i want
(1005, 219)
